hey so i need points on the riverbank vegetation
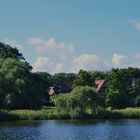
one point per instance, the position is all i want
(49, 113)
(23, 93)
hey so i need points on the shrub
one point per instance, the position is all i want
(78, 103)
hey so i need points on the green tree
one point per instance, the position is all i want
(82, 100)
(136, 86)
(99, 75)
(120, 87)
(6, 51)
(45, 81)
(63, 82)
(84, 78)
(15, 75)
(60, 78)
(18, 87)
(137, 101)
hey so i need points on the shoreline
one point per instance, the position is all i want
(50, 113)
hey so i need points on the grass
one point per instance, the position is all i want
(42, 114)
(129, 113)
(51, 113)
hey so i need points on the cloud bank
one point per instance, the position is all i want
(87, 62)
(12, 43)
(62, 58)
(53, 56)
(57, 49)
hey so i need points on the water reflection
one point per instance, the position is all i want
(20, 123)
(71, 130)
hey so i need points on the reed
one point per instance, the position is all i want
(52, 113)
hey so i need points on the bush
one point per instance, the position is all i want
(80, 102)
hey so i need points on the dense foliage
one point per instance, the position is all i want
(6, 51)
(44, 81)
(82, 100)
(138, 101)
(21, 88)
(61, 78)
(123, 87)
(84, 78)
(18, 87)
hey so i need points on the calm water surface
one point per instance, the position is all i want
(71, 130)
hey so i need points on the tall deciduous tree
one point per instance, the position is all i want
(45, 81)
(84, 78)
(123, 85)
(18, 87)
(99, 75)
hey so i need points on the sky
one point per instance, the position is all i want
(69, 35)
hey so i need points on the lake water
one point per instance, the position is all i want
(71, 130)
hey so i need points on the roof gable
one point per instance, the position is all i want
(99, 84)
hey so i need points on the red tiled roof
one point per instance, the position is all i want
(51, 91)
(99, 84)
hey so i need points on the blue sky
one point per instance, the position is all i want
(67, 35)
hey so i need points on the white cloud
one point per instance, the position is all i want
(118, 59)
(58, 49)
(88, 62)
(135, 62)
(95, 62)
(60, 58)
(122, 61)
(44, 64)
(137, 57)
(12, 43)
(59, 68)
(42, 45)
(136, 24)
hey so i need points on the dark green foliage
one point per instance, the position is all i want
(99, 75)
(44, 81)
(123, 86)
(136, 86)
(138, 101)
(84, 78)
(45, 77)
(61, 78)
(18, 87)
(13, 82)
(117, 92)
(6, 51)
(62, 82)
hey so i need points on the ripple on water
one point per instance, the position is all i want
(71, 130)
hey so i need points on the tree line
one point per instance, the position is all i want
(21, 88)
